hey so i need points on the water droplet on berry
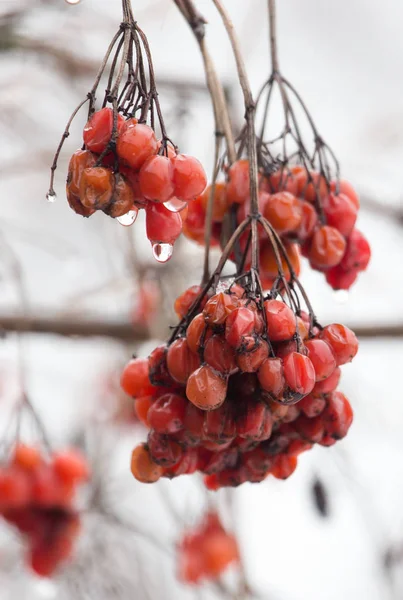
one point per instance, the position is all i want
(175, 205)
(162, 252)
(51, 197)
(341, 296)
(73, 1)
(128, 219)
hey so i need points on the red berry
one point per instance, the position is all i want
(186, 299)
(238, 182)
(281, 322)
(283, 466)
(322, 358)
(206, 389)
(156, 178)
(340, 213)
(96, 187)
(344, 187)
(164, 450)
(219, 355)
(339, 279)
(181, 361)
(218, 307)
(358, 252)
(167, 413)
(271, 377)
(309, 219)
(136, 143)
(143, 468)
(342, 341)
(189, 177)
(239, 323)
(312, 405)
(71, 466)
(283, 212)
(98, 131)
(249, 360)
(299, 373)
(162, 225)
(134, 380)
(327, 247)
(329, 384)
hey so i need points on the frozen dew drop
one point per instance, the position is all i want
(128, 219)
(175, 205)
(162, 252)
(51, 196)
(73, 1)
(341, 296)
(224, 285)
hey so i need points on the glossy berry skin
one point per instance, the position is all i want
(219, 355)
(327, 247)
(238, 182)
(142, 405)
(342, 341)
(162, 225)
(299, 373)
(357, 254)
(250, 360)
(311, 186)
(312, 405)
(142, 466)
(329, 384)
(282, 180)
(96, 187)
(220, 201)
(80, 160)
(339, 279)
(322, 358)
(218, 307)
(197, 332)
(283, 466)
(283, 212)
(271, 377)
(122, 199)
(340, 213)
(134, 379)
(156, 178)
(239, 323)
(309, 220)
(281, 322)
(206, 389)
(98, 131)
(164, 450)
(189, 178)
(184, 301)
(181, 361)
(167, 413)
(337, 417)
(135, 144)
(344, 187)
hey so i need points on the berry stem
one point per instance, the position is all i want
(273, 35)
(209, 212)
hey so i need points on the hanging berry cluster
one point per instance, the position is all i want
(123, 167)
(36, 497)
(206, 551)
(246, 383)
(299, 192)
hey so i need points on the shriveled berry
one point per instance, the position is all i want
(342, 341)
(206, 389)
(143, 468)
(322, 358)
(299, 373)
(96, 187)
(327, 247)
(271, 376)
(181, 361)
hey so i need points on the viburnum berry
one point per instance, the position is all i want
(322, 358)
(357, 254)
(122, 199)
(312, 405)
(344, 187)
(220, 201)
(281, 322)
(337, 418)
(197, 332)
(96, 187)
(181, 361)
(218, 307)
(134, 379)
(206, 389)
(26, 457)
(238, 182)
(279, 181)
(184, 301)
(268, 260)
(309, 219)
(342, 341)
(156, 178)
(283, 212)
(329, 384)
(271, 377)
(249, 360)
(299, 373)
(98, 131)
(283, 466)
(143, 468)
(189, 178)
(162, 225)
(71, 466)
(142, 405)
(339, 279)
(219, 355)
(327, 247)
(340, 213)
(163, 450)
(136, 143)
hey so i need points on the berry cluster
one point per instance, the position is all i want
(244, 386)
(304, 209)
(36, 497)
(134, 171)
(206, 551)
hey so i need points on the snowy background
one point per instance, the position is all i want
(346, 60)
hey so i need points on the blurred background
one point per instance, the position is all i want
(333, 530)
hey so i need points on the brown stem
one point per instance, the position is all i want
(221, 114)
(273, 35)
(209, 213)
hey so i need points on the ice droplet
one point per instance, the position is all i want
(224, 285)
(51, 196)
(341, 296)
(73, 1)
(162, 252)
(175, 205)
(128, 218)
